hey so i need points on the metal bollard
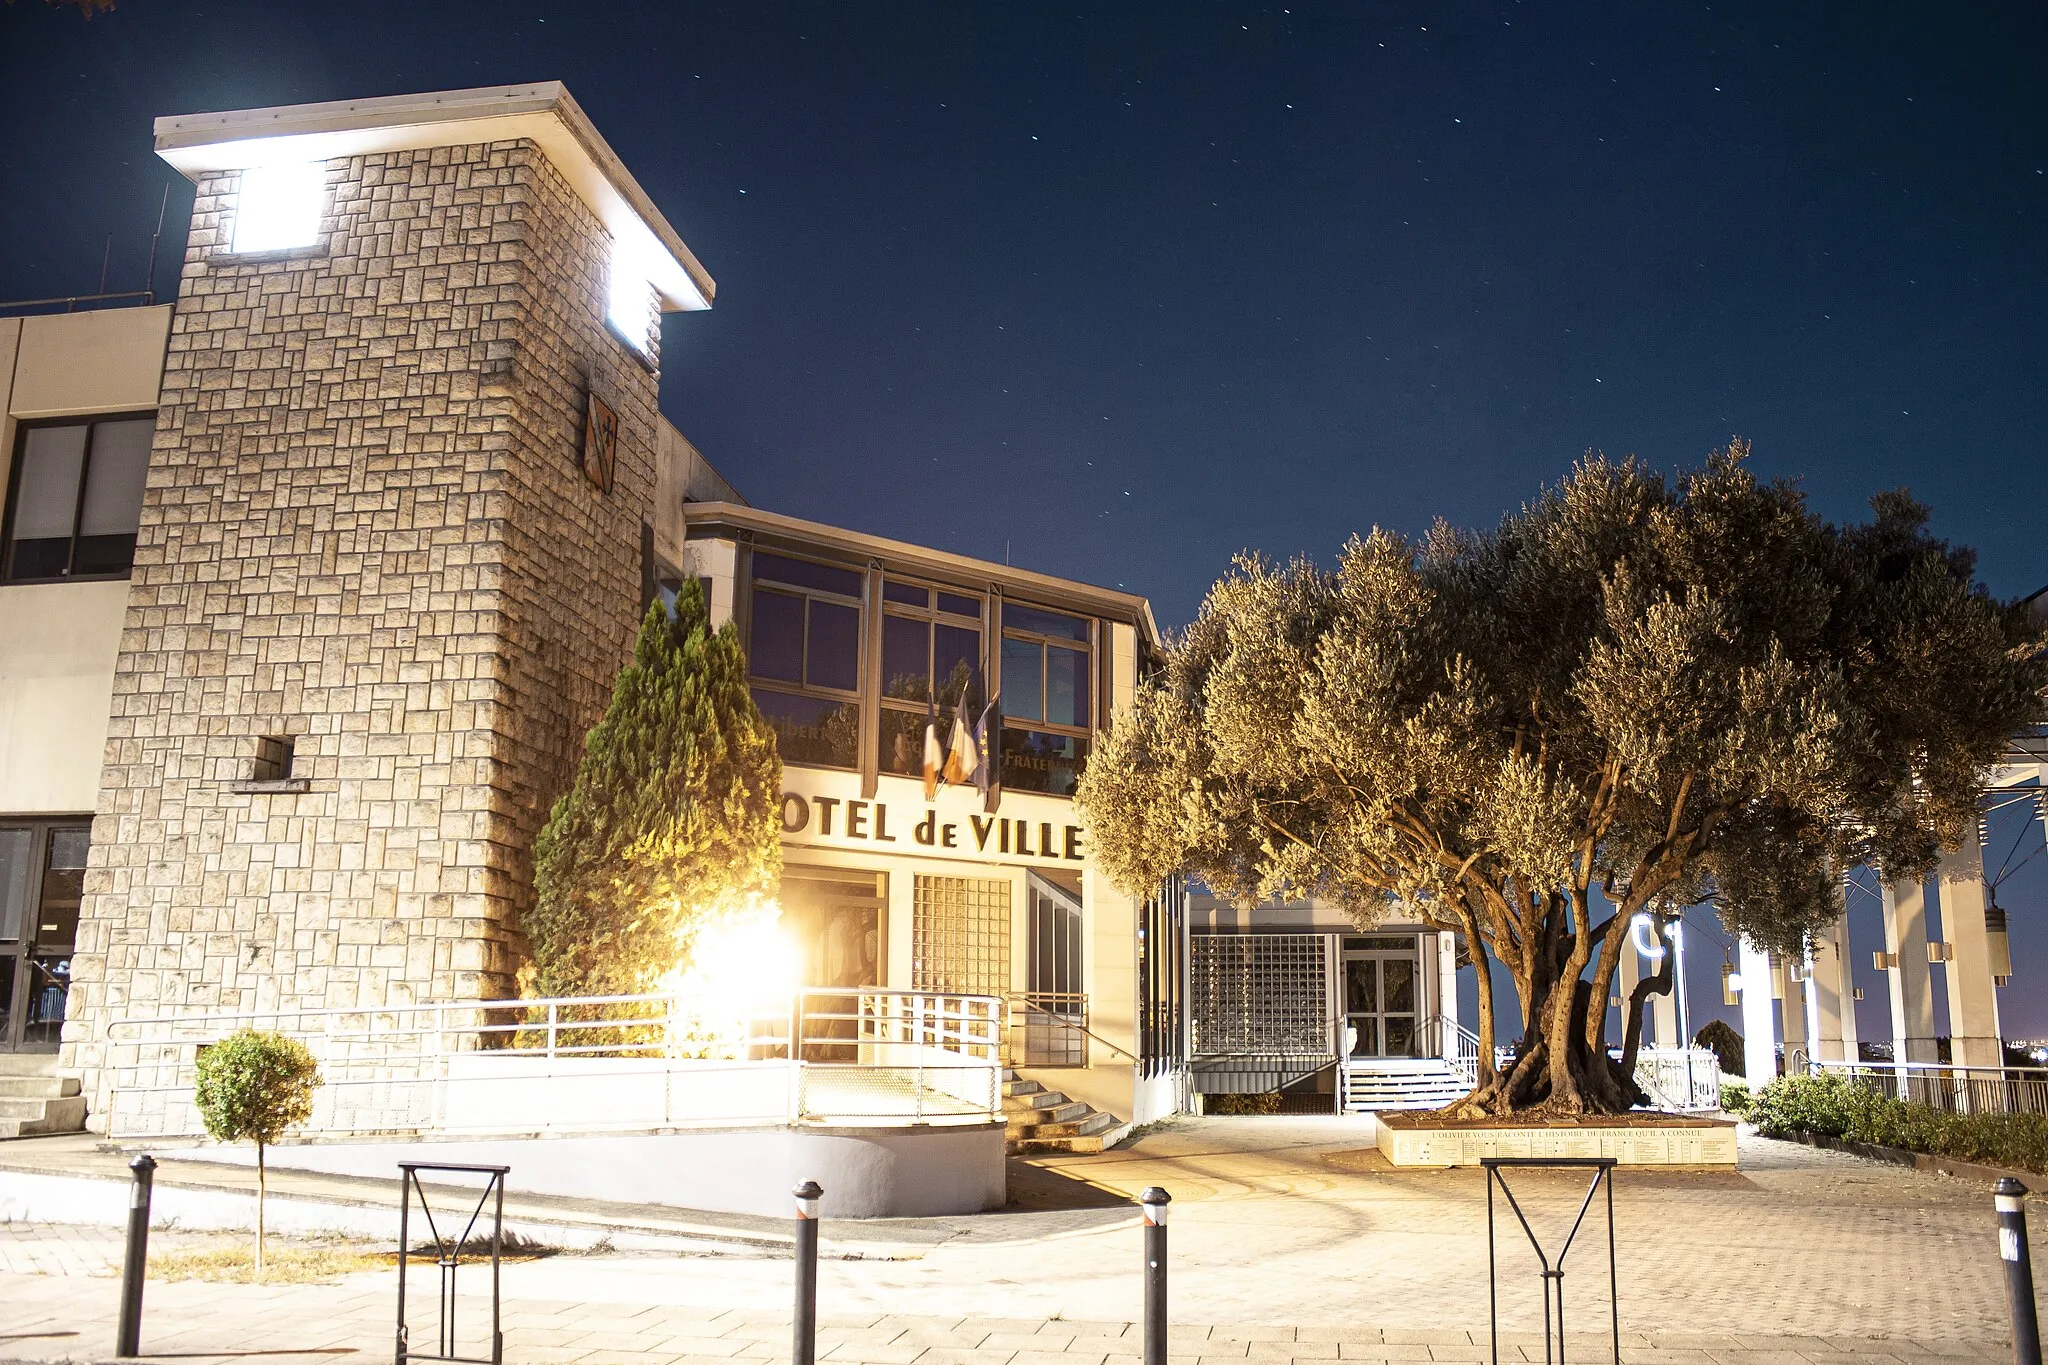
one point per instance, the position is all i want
(804, 1346)
(135, 1265)
(2010, 1197)
(1155, 1201)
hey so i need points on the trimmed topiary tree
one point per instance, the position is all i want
(671, 822)
(256, 1087)
(1721, 1039)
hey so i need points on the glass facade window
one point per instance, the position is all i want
(804, 654)
(42, 880)
(1048, 690)
(931, 658)
(76, 500)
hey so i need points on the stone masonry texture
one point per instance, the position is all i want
(365, 529)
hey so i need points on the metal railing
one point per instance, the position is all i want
(1952, 1089)
(1054, 1028)
(1685, 1080)
(594, 1063)
(1447, 1038)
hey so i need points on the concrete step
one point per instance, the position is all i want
(1071, 1112)
(51, 1116)
(37, 1087)
(28, 1063)
(1018, 1088)
(1037, 1099)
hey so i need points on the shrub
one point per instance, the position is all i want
(255, 1087)
(1735, 1097)
(1834, 1106)
(1266, 1103)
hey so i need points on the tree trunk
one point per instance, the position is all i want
(262, 1189)
(1543, 1084)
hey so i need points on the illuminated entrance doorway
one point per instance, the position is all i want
(42, 879)
(1382, 995)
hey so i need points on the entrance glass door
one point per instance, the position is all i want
(1381, 973)
(42, 880)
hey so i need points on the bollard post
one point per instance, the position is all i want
(2011, 1198)
(804, 1345)
(135, 1264)
(1155, 1201)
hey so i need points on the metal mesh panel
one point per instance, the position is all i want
(960, 935)
(1259, 993)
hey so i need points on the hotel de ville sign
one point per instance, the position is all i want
(827, 809)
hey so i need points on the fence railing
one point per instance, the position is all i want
(1685, 1080)
(1953, 1089)
(594, 1063)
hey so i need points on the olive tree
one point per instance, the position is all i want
(1631, 693)
(256, 1087)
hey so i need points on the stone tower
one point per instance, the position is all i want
(391, 552)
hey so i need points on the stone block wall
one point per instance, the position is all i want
(365, 530)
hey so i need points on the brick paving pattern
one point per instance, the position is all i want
(1801, 1257)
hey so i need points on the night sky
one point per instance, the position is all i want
(1116, 291)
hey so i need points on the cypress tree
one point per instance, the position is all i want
(671, 821)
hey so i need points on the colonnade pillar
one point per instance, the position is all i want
(1759, 1023)
(1447, 993)
(1912, 995)
(1972, 991)
(1791, 993)
(1834, 991)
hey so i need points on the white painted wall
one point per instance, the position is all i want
(866, 1172)
(58, 645)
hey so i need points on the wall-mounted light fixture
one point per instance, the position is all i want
(630, 305)
(278, 207)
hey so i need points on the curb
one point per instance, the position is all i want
(1922, 1161)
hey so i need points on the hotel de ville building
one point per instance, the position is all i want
(314, 579)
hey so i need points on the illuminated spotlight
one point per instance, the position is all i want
(279, 206)
(630, 304)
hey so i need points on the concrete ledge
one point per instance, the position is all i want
(1921, 1161)
(880, 1172)
(1410, 1139)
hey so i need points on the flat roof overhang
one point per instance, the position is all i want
(545, 114)
(703, 520)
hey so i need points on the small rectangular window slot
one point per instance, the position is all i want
(270, 772)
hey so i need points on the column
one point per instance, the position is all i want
(1834, 994)
(1626, 973)
(1447, 994)
(1972, 993)
(1759, 1040)
(1912, 994)
(1786, 971)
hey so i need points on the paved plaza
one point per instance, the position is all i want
(1288, 1242)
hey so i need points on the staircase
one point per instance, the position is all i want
(35, 1100)
(1041, 1120)
(1377, 1083)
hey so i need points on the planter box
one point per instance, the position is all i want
(1424, 1140)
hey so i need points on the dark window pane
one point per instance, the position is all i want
(802, 573)
(1034, 761)
(956, 666)
(960, 606)
(834, 658)
(1044, 622)
(114, 479)
(811, 729)
(1066, 686)
(910, 594)
(1400, 979)
(68, 848)
(46, 502)
(1023, 680)
(906, 658)
(778, 636)
(902, 750)
(104, 554)
(15, 849)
